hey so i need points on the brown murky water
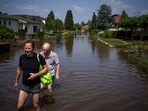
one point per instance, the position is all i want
(94, 77)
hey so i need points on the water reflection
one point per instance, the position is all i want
(69, 45)
(93, 43)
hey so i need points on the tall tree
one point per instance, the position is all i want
(82, 23)
(93, 24)
(59, 24)
(104, 16)
(124, 24)
(124, 21)
(50, 25)
(133, 25)
(51, 15)
(69, 24)
(78, 26)
(124, 15)
(143, 23)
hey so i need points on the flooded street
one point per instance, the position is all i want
(94, 77)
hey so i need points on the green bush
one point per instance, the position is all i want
(6, 33)
(108, 34)
(94, 31)
(114, 34)
(21, 33)
(40, 34)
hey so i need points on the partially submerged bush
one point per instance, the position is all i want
(6, 33)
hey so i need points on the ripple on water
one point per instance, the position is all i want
(93, 78)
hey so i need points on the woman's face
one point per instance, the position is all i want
(28, 49)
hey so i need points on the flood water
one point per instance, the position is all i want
(93, 77)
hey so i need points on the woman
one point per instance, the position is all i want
(29, 67)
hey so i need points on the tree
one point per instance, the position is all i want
(143, 23)
(130, 23)
(58, 24)
(124, 24)
(78, 26)
(133, 24)
(104, 16)
(69, 24)
(93, 24)
(124, 21)
(124, 15)
(49, 24)
(51, 15)
(82, 23)
(50, 21)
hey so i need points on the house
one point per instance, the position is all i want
(41, 21)
(116, 19)
(38, 19)
(84, 28)
(17, 22)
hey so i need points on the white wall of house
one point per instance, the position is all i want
(11, 24)
(30, 29)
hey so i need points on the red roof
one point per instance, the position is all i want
(116, 18)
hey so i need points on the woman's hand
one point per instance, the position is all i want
(32, 76)
(16, 85)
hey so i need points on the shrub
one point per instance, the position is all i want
(94, 31)
(40, 34)
(21, 33)
(108, 34)
(6, 33)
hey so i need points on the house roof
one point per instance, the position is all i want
(39, 19)
(32, 17)
(8, 17)
(116, 18)
(18, 18)
(28, 20)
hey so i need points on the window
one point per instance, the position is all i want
(25, 29)
(4, 22)
(9, 22)
(34, 29)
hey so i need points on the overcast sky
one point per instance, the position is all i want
(82, 9)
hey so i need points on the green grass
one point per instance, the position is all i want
(115, 42)
(140, 61)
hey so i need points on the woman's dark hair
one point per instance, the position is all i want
(30, 41)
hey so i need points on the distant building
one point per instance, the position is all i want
(17, 22)
(39, 19)
(84, 28)
(116, 18)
